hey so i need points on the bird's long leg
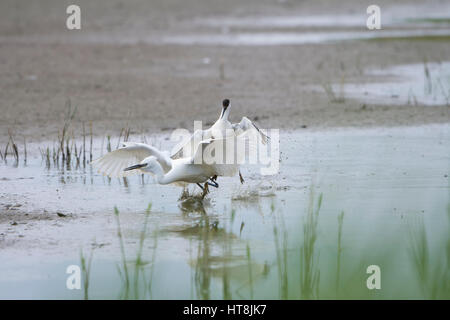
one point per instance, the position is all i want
(241, 178)
(213, 183)
(205, 190)
(201, 187)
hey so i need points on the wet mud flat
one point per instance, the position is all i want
(343, 200)
(276, 61)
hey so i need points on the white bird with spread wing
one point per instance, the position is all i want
(135, 157)
(223, 129)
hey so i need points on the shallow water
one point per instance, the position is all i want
(245, 241)
(394, 15)
(426, 83)
(420, 21)
(293, 38)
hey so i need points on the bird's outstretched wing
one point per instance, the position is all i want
(207, 150)
(246, 126)
(189, 148)
(113, 163)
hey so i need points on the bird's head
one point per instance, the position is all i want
(149, 164)
(225, 109)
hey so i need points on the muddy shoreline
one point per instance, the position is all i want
(152, 67)
(384, 179)
(161, 93)
(154, 87)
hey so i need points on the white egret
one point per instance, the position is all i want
(135, 158)
(222, 128)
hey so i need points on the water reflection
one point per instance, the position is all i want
(222, 262)
(289, 243)
(432, 269)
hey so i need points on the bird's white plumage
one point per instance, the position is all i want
(184, 165)
(190, 169)
(113, 163)
(229, 159)
(188, 148)
(167, 170)
(246, 126)
(244, 131)
(222, 129)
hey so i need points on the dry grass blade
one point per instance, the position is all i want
(84, 146)
(90, 147)
(13, 146)
(68, 119)
(25, 150)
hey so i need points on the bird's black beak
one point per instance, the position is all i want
(223, 112)
(136, 166)
(225, 104)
